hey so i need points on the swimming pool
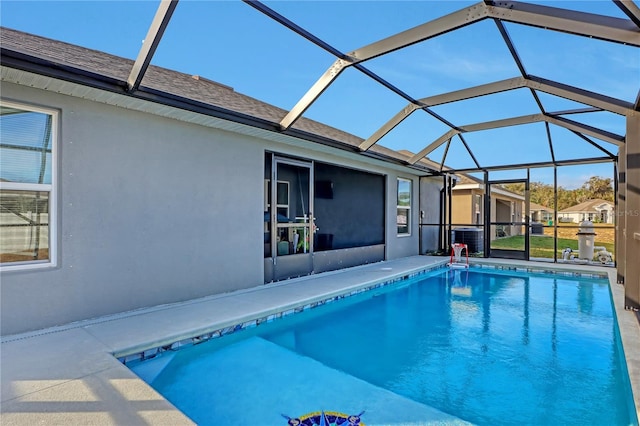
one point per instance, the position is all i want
(483, 346)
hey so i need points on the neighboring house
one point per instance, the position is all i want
(540, 213)
(467, 206)
(597, 211)
(467, 199)
(117, 199)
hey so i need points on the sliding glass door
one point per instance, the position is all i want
(290, 218)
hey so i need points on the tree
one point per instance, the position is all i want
(598, 187)
(542, 193)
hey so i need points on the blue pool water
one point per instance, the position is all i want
(447, 347)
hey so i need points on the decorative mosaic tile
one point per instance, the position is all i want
(326, 418)
(541, 271)
(230, 329)
(200, 339)
(129, 358)
(250, 324)
(185, 342)
(150, 353)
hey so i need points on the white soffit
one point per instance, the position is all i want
(50, 84)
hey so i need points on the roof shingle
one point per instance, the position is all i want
(175, 83)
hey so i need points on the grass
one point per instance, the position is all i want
(540, 246)
(605, 233)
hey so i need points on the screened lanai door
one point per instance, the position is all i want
(508, 213)
(289, 206)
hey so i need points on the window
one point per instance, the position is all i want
(282, 192)
(27, 184)
(478, 209)
(404, 207)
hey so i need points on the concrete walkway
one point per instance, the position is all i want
(69, 375)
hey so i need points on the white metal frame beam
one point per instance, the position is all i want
(434, 28)
(406, 38)
(630, 9)
(150, 44)
(476, 91)
(591, 25)
(516, 121)
(587, 130)
(578, 23)
(458, 95)
(314, 93)
(576, 94)
(596, 100)
(592, 160)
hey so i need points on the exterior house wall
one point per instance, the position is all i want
(140, 203)
(477, 211)
(430, 213)
(594, 216)
(570, 217)
(541, 215)
(464, 209)
(155, 210)
(406, 245)
(462, 204)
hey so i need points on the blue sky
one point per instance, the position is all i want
(230, 42)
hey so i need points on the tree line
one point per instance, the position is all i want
(542, 193)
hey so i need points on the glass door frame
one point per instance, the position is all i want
(293, 263)
(506, 253)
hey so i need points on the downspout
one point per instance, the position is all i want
(450, 218)
(487, 216)
(441, 218)
(555, 214)
(421, 216)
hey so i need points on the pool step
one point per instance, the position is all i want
(256, 382)
(150, 369)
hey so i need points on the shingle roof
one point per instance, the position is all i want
(535, 206)
(466, 179)
(172, 82)
(587, 206)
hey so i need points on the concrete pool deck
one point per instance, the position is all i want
(69, 375)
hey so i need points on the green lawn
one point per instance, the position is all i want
(541, 246)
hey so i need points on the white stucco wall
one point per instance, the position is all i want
(402, 245)
(140, 203)
(154, 210)
(430, 207)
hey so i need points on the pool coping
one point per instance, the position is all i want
(217, 330)
(106, 337)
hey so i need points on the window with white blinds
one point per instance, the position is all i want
(27, 185)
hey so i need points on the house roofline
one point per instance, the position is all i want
(24, 62)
